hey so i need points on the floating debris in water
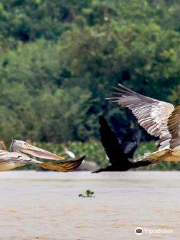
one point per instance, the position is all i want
(88, 193)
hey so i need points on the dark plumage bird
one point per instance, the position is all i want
(121, 159)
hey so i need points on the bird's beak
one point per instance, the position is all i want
(41, 153)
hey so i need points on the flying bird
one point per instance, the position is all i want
(21, 153)
(69, 153)
(121, 159)
(158, 118)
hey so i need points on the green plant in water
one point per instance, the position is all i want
(88, 193)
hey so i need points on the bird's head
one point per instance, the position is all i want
(24, 147)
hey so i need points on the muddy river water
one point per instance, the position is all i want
(46, 205)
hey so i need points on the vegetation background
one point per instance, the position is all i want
(59, 59)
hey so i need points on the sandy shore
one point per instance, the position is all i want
(45, 205)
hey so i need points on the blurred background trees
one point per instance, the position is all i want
(59, 59)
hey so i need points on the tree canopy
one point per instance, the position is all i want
(59, 60)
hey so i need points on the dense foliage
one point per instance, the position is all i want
(59, 59)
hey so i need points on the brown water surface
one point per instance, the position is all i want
(45, 205)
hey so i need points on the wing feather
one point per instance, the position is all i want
(151, 114)
(111, 143)
(174, 127)
(68, 166)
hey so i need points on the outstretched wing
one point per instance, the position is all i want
(110, 142)
(151, 114)
(12, 160)
(67, 166)
(174, 127)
